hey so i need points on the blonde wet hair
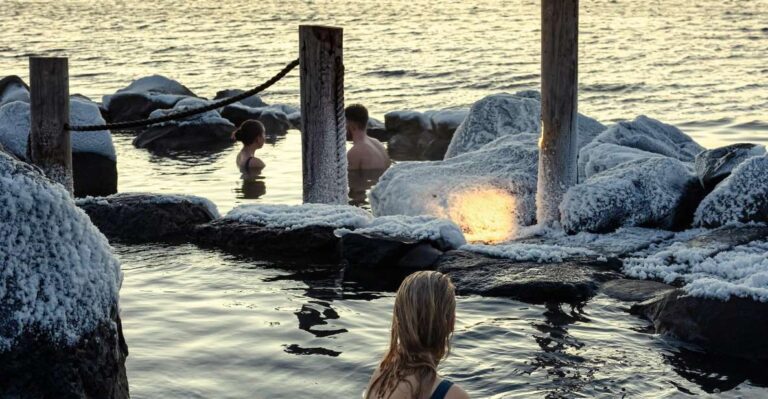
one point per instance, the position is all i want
(422, 326)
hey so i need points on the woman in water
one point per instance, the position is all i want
(422, 326)
(252, 134)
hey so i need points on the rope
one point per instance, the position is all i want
(341, 131)
(189, 112)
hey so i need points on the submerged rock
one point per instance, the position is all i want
(143, 96)
(736, 327)
(194, 132)
(712, 166)
(741, 197)
(567, 282)
(644, 192)
(144, 217)
(60, 332)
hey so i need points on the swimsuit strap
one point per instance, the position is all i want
(441, 390)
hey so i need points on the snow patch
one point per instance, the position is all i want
(415, 228)
(292, 217)
(151, 198)
(58, 274)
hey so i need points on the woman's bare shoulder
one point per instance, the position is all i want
(456, 392)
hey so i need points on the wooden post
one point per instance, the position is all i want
(324, 131)
(49, 141)
(559, 89)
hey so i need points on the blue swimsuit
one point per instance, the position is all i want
(442, 390)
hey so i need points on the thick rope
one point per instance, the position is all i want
(189, 112)
(341, 131)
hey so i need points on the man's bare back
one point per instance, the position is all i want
(366, 153)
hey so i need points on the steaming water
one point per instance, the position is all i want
(204, 324)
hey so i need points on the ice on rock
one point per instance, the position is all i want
(14, 128)
(292, 217)
(599, 157)
(58, 276)
(206, 118)
(708, 271)
(540, 253)
(492, 117)
(504, 114)
(635, 193)
(741, 197)
(488, 192)
(415, 228)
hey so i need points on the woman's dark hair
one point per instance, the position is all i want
(358, 114)
(249, 131)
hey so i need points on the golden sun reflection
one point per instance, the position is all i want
(484, 215)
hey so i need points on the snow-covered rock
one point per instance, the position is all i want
(145, 217)
(143, 96)
(488, 192)
(650, 135)
(644, 192)
(741, 197)
(444, 233)
(411, 123)
(13, 88)
(94, 161)
(712, 166)
(59, 328)
(503, 114)
(291, 217)
(192, 132)
(282, 231)
(597, 157)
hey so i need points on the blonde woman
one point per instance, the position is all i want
(422, 326)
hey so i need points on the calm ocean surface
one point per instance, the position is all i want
(209, 325)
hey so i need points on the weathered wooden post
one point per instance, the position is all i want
(49, 140)
(559, 89)
(324, 132)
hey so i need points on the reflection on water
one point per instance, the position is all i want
(205, 324)
(253, 187)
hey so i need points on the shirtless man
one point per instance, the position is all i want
(366, 153)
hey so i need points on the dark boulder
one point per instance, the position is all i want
(634, 290)
(567, 282)
(377, 252)
(737, 327)
(124, 107)
(13, 88)
(317, 244)
(142, 217)
(404, 147)
(94, 367)
(252, 101)
(409, 123)
(434, 149)
(93, 174)
(377, 130)
(184, 136)
(446, 121)
(712, 166)
(275, 120)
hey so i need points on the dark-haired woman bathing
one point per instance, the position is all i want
(252, 134)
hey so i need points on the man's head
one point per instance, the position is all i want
(357, 119)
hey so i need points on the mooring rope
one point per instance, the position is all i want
(341, 123)
(190, 112)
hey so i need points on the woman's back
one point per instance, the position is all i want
(440, 389)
